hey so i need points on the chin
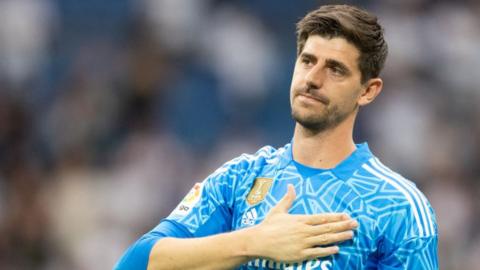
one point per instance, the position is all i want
(309, 120)
(307, 114)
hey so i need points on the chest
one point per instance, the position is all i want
(314, 195)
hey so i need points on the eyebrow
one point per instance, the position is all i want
(329, 61)
(308, 56)
(335, 63)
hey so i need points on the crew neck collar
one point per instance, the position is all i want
(343, 170)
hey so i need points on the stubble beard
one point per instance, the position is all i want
(316, 123)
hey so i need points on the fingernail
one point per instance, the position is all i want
(354, 223)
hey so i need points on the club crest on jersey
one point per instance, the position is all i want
(260, 188)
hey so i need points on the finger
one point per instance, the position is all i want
(318, 252)
(286, 202)
(334, 227)
(329, 238)
(323, 218)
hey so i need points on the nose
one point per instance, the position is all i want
(315, 77)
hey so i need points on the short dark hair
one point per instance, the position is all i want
(356, 25)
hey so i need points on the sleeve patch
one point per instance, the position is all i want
(186, 205)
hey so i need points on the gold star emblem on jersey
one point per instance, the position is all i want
(260, 188)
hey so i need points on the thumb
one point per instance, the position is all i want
(286, 202)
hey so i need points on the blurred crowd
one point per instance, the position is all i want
(111, 110)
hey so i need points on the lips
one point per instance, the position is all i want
(320, 98)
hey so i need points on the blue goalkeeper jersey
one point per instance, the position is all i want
(397, 226)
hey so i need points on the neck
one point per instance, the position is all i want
(324, 149)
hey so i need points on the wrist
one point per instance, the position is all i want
(250, 242)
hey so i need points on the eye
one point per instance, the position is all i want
(337, 71)
(306, 61)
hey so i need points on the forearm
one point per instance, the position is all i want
(222, 251)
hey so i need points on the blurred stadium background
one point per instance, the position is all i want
(110, 111)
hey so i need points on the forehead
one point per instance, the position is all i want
(332, 48)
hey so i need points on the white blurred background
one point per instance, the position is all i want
(110, 111)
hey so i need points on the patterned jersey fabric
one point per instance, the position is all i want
(397, 227)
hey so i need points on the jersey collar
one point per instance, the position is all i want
(343, 170)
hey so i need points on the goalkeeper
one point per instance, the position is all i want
(319, 202)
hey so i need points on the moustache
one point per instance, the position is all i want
(313, 93)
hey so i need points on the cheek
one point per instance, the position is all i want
(350, 99)
(297, 74)
(296, 82)
(344, 95)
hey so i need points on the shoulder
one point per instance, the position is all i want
(230, 177)
(246, 162)
(400, 205)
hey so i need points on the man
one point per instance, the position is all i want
(321, 202)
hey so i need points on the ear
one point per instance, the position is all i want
(373, 87)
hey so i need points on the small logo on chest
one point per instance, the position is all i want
(260, 188)
(249, 217)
